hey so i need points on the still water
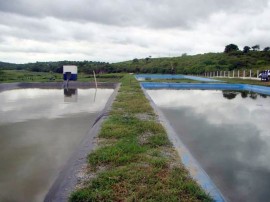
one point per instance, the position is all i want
(228, 133)
(39, 129)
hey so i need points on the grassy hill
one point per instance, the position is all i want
(185, 64)
(199, 63)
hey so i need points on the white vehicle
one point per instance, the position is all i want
(264, 73)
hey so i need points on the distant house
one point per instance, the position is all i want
(70, 72)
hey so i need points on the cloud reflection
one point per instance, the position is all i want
(229, 138)
(216, 108)
(24, 104)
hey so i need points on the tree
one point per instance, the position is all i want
(148, 58)
(246, 49)
(256, 47)
(230, 48)
(266, 49)
(184, 54)
(135, 60)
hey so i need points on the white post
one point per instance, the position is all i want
(95, 78)
(244, 73)
(238, 73)
(233, 74)
(257, 73)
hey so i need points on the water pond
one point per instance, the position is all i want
(39, 130)
(228, 133)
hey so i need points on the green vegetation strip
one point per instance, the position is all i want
(9, 76)
(134, 160)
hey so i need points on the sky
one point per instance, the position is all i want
(119, 30)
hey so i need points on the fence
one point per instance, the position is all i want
(234, 74)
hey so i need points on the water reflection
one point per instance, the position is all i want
(229, 137)
(24, 104)
(229, 94)
(71, 95)
(38, 132)
(244, 94)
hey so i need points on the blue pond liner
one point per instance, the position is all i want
(207, 86)
(173, 76)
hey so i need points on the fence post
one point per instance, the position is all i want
(250, 73)
(228, 74)
(233, 74)
(238, 73)
(257, 73)
(244, 73)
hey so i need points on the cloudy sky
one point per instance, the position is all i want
(117, 30)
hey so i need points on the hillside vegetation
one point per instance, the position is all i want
(201, 63)
(184, 64)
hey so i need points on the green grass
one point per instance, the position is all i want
(134, 160)
(10, 76)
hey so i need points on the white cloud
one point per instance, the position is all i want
(120, 30)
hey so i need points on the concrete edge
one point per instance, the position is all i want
(191, 164)
(67, 179)
(54, 85)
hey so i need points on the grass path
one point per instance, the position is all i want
(134, 160)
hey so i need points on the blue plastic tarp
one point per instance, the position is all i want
(207, 86)
(172, 76)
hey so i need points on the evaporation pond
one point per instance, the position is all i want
(39, 130)
(229, 135)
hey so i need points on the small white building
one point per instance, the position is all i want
(70, 72)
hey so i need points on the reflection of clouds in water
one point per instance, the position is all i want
(230, 138)
(234, 155)
(217, 109)
(23, 104)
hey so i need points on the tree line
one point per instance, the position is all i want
(232, 47)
